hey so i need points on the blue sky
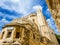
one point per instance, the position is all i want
(12, 9)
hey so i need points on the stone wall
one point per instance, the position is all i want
(54, 6)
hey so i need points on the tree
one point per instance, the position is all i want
(58, 38)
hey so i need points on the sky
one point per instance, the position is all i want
(12, 9)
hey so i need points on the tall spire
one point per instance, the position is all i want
(40, 18)
(41, 22)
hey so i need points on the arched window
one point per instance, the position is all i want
(17, 34)
(9, 33)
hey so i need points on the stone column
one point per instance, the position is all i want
(5, 35)
(12, 34)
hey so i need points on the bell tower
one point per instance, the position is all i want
(40, 18)
(42, 24)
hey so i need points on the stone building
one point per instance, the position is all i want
(54, 6)
(30, 30)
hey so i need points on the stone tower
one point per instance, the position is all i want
(54, 6)
(42, 24)
(45, 30)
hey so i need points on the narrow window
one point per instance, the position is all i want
(9, 34)
(33, 36)
(33, 20)
(17, 34)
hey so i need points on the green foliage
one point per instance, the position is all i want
(58, 38)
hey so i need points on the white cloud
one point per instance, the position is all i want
(2, 23)
(37, 7)
(48, 9)
(6, 15)
(20, 6)
(4, 20)
(52, 25)
(15, 1)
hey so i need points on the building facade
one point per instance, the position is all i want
(29, 30)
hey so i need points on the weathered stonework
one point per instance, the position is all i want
(29, 30)
(54, 6)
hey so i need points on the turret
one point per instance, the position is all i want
(40, 18)
(41, 22)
